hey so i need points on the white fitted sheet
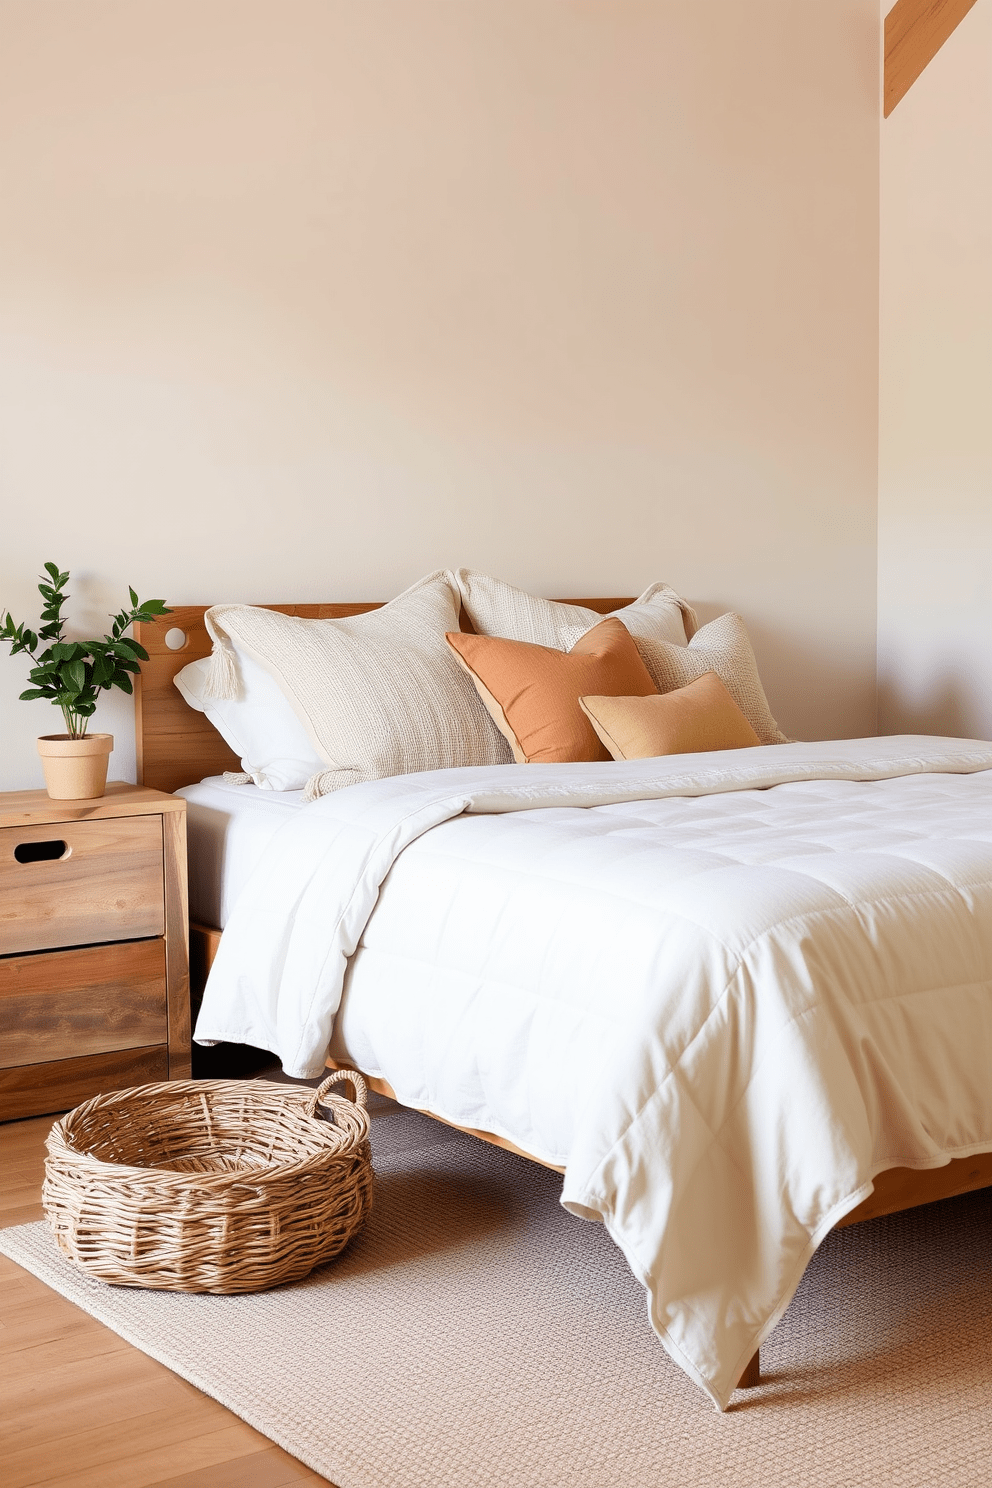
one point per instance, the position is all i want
(228, 829)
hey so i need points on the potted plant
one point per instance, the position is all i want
(72, 674)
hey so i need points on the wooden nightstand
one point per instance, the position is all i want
(94, 946)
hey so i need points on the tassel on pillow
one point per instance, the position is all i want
(222, 676)
(330, 780)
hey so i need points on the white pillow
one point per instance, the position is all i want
(498, 609)
(723, 646)
(258, 724)
(377, 694)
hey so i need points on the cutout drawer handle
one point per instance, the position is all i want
(41, 852)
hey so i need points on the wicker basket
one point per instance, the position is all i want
(209, 1185)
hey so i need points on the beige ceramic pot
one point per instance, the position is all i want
(75, 769)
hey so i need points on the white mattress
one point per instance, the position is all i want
(228, 828)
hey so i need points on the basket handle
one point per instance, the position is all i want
(354, 1079)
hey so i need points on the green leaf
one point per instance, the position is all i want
(33, 692)
(134, 597)
(124, 683)
(75, 673)
(52, 569)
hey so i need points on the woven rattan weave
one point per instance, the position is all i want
(209, 1185)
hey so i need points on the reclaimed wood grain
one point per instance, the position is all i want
(85, 1001)
(107, 886)
(60, 1084)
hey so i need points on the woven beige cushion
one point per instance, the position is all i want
(723, 646)
(379, 694)
(498, 609)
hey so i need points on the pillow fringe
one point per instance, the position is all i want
(321, 784)
(222, 674)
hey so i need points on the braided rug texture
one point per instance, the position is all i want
(475, 1335)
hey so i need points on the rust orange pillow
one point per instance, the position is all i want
(532, 692)
(701, 716)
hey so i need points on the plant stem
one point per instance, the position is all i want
(72, 723)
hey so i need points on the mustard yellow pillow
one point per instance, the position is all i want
(690, 720)
(532, 692)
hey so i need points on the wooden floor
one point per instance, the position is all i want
(82, 1408)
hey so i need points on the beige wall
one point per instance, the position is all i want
(304, 298)
(935, 436)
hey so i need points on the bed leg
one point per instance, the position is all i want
(752, 1374)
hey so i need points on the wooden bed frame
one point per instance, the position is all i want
(176, 746)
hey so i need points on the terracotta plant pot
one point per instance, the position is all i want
(75, 769)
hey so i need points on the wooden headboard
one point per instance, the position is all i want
(176, 746)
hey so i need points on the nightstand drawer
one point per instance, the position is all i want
(41, 1089)
(63, 1004)
(78, 882)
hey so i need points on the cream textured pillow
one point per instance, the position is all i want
(498, 609)
(723, 646)
(379, 694)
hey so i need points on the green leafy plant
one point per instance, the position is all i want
(72, 674)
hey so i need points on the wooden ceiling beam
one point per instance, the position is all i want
(915, 31)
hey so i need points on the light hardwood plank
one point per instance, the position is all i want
(39, 1359)
(161, 1441)
(18, 1214)
(135, 1389)
(267, 1469)
(82, 1408)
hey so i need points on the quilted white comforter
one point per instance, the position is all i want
(723, 991)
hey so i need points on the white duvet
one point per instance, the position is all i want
(723, 991)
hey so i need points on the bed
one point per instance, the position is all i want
(177, 748)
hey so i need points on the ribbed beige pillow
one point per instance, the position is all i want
(379, 694)
(691, 720)
(723, 646)
(498, 609)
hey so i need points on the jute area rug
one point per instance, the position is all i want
(476, 1336)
